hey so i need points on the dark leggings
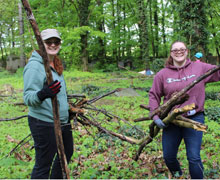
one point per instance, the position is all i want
(46, 149)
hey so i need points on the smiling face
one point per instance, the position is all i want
(52, 46)
(179, 54)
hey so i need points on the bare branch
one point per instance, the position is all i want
(15, 118)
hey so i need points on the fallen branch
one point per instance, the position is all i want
(15, 118)
(156, 130)
(104, 95)
(188, 123)
(19, 144)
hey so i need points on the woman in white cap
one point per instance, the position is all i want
(37, 95)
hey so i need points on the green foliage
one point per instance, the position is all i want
(96, 154)
(213, 113)
(157, 65)
(212, 95)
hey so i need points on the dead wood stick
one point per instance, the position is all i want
(144, 106)
(57, 126)
(189, 123)
(19, 104)
(104, 95)
(142, 119)
(156, 130)
(15, 118)
(186, 124)
(110, 115)
(4, 95)
(10, 153)
(166, 109)
(111, 133)
(70, 96)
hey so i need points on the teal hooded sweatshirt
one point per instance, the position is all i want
(34, 77)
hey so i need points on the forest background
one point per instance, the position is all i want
(97, 35)
(103, 33)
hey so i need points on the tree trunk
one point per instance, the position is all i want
(114, 50)
(151, 28)
(83, 12)
(1, 44)
(156, 26)
(21, 33)
(124, 32)
(216, 43)
(101, 53)
(84, 52)
(163, 28)
(118, 32)
(143, 32)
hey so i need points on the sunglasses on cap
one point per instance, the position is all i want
(50, 42)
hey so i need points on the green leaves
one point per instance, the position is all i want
(98, 155)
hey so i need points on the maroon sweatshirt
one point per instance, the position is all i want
(173, 79)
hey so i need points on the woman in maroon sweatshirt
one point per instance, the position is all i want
(180, 71)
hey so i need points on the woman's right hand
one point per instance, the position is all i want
(159, 123)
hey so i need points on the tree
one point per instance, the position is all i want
(21, 33)
(193, 20)
(143, 31)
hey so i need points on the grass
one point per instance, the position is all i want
(97, 155)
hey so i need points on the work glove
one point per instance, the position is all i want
(49, 91)
(159, 123)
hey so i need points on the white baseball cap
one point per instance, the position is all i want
(49, 33)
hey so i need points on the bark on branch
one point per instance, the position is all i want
(155, 130)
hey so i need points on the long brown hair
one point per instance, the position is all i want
(58, 66)
(169, 60)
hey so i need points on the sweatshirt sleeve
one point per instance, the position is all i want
(155, 94)
(214, 77)
(33, 82)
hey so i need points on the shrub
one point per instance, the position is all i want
(211, 95)
(157, 65)
(213, 113)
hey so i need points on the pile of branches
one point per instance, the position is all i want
(81, 110)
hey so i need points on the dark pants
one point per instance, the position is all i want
(171, 139)
(46, 149)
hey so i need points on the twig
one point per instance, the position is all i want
(104, 95)
(19, 145)
(71, 96)
(15, 118)
(112, 115)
